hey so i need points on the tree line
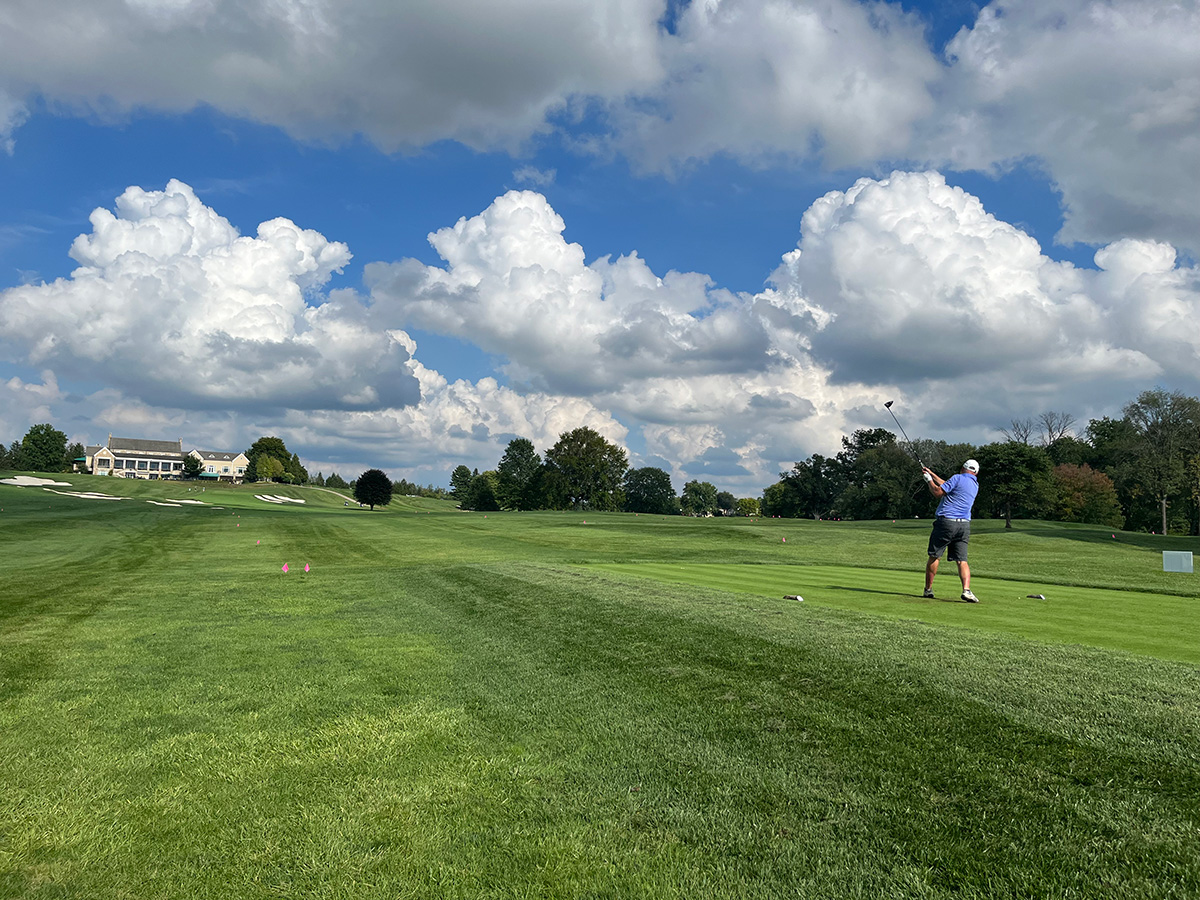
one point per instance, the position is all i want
(584, 470)
(1138, 472)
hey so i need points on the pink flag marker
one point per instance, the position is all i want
(285, 568)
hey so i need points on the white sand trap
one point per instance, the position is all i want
(84, 495)
(272, 498)
(156, 503)
(191, 502)
(30, 481)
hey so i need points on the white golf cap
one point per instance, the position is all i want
(971, 466)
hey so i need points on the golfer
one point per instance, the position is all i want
(952, 527)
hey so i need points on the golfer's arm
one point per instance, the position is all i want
(935, 484)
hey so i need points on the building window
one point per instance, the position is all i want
(154, 466)
(177, 466)
(212, 468)
(225, 470)
(103, 463)
(141, 464)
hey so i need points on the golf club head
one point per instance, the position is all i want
(888, 405)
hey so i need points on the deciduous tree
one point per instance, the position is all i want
(1167, 425)
(649, 490)
(268, 447)
(1085, 495)
(585, 471)
(43, 449)
(748, 506)
(1014, 479)
(699, 498)
(373, 488)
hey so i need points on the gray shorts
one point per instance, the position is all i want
(952, 533)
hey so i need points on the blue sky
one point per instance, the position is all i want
(721, 233)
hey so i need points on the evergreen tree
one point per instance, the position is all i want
(460, 483)
(481, 494)
(192, 466)
(297, 471)
(516, 474)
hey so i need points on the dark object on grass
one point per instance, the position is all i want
(1036, 596)
(793, 597)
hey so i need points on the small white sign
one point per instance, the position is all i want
(1177, 561)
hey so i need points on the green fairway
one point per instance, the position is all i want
(453, 704)
(1158, 625)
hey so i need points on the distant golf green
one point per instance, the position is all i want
(452, 704)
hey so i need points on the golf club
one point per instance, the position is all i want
(911, 447)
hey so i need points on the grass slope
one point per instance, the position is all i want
(453, 705)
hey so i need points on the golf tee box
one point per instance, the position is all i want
(1177, 560)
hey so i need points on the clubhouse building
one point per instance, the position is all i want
(155, 460)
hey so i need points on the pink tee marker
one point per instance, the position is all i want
(306, 567)
(285, 568)
(785, 540)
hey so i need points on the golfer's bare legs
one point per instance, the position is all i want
(931, 567)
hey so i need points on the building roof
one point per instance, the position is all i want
(136, 445)
(222, 455)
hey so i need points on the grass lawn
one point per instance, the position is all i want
(577, 705)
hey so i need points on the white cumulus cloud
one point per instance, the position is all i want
(174, 307)
(403, 74)
(1105, 94)
(766, 80)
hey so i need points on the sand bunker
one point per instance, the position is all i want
(30, 481)
(85, 495)
(271, 498)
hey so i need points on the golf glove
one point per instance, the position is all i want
(928, 478)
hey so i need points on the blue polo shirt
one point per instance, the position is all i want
(960, 493)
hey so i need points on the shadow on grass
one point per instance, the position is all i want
(912, 598)
(1092, 534)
